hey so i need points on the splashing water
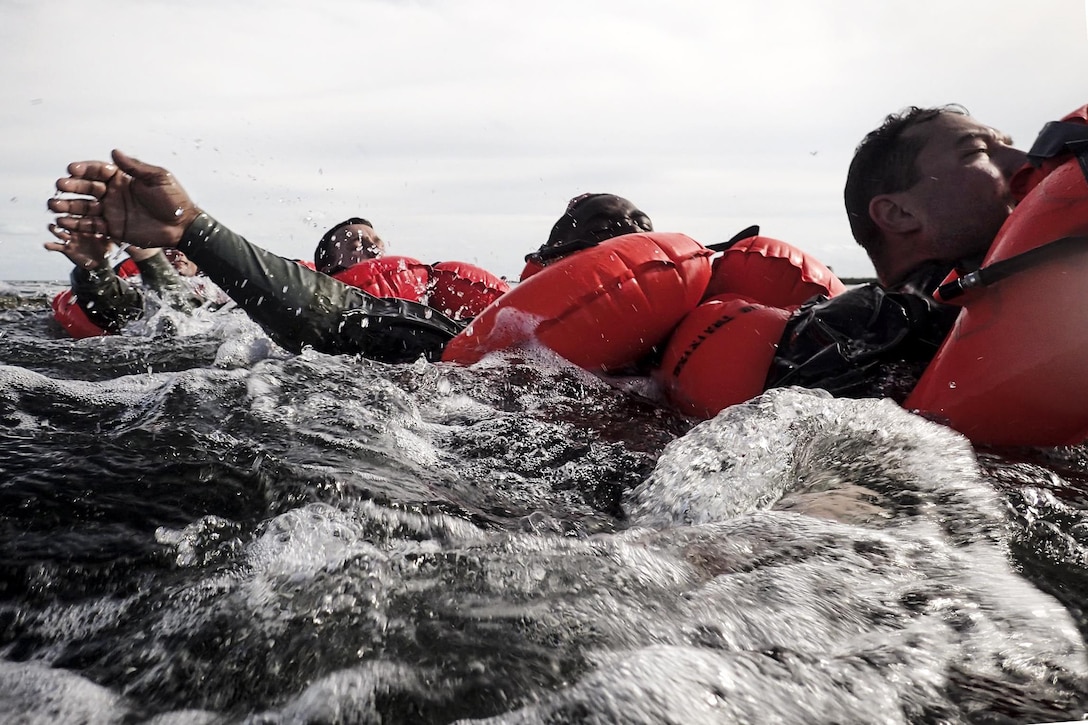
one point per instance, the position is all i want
(199, 527)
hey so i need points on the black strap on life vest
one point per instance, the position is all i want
(555, 251)
(1060, 137)
(752, 231)
(991, 273)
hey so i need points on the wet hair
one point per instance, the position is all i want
(884, 163)
(564, 228)
(323, 254)
(566, 237)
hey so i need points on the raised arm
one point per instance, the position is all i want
(127, 200)
(299, 307)
(145, 206)
(108, 300)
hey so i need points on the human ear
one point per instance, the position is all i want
(892, 214)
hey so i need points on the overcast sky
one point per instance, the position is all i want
(462, 127)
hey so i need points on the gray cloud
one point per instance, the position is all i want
(461, 129)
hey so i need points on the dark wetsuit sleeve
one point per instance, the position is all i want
(299, 307)
(157, 273)
(108, 301)
(845, 344)
(111, 301)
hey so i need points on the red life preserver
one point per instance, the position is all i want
(531, 267)
(602, 308)
(391, 276)
(461, 290)
(456, 289)
(1030, 175)
(772, 272)
(720, 354)
(1012, 371)
(72, 318)
(70, 315)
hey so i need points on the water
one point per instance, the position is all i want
(197, 527)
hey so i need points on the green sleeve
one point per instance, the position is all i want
(299, 307)
(108, 301)
(158, 274)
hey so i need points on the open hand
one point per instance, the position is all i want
(88, 251)
(128, 200)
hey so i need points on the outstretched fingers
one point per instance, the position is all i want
(63, 235)
(87, 179)
(87, 225)
(79, 207)
(86, 187)
(92, 170)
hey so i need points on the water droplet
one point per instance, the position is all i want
(952, 385)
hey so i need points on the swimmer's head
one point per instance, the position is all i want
(346, 244)
(181, 264)
(589, 220)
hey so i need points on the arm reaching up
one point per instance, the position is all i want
(130, 201)
(144, 205)
(85, 251)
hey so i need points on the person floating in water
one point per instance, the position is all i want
(589, 219)
(346, 244)
(926, 194)
(113, 296)
(298, 307)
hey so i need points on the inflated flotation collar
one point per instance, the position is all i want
(1012, 371)
(70, 315)
(390, 276)
(72, 318)
(772, 272)
(549, 253)
(1051, 149)
(720, 354)
(461, 291)
(456, 289)
(531, 267)
(602, 308)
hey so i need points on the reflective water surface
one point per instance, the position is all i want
(197, 527)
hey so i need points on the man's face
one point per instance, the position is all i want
(181, 264)
(353, 244)
(962, 197)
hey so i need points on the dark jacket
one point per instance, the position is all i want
(299, 307)
(867, 342)
(111, 301)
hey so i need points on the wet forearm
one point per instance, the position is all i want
(299, 307)
(295, 305)
(107, 300)
(158, 274)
